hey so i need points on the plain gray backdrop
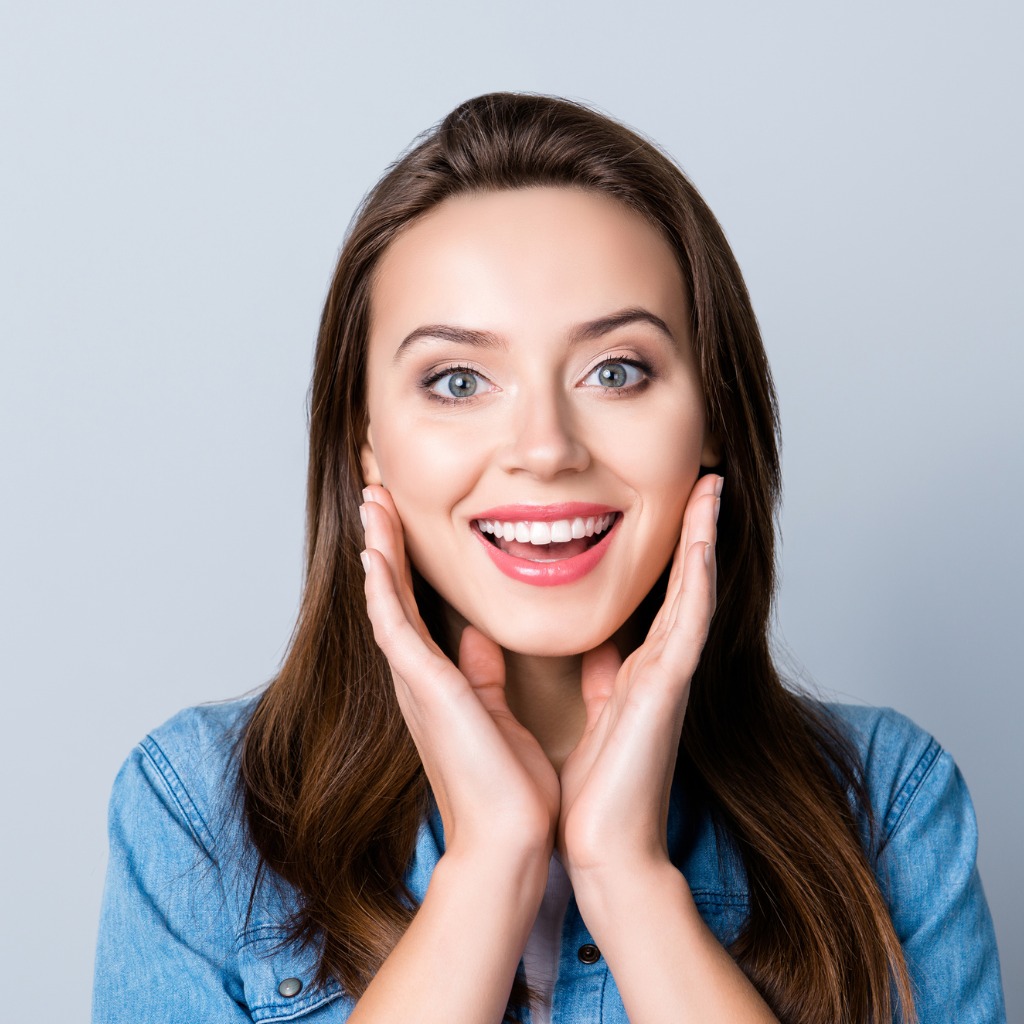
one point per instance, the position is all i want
(175, 181)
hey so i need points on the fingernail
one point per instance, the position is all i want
(362, 515)
(366, 494)
(718, 506)
(707, 555)
(365, 559)
(718, 486)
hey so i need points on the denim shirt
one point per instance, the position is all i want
(174, 945)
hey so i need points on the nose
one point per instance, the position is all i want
(544, 440)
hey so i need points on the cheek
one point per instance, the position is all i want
(427, 470)
(664, 469)
(421, 460)
(659, 451)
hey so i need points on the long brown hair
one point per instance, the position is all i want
(332, 785)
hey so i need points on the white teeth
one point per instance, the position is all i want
(561, 531)
(542, 533)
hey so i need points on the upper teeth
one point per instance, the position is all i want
(556, 532)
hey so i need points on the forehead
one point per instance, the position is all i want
(506, 260)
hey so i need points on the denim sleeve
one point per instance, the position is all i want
(165, 951)
(928, 866)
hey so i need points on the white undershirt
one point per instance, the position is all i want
(544, 946)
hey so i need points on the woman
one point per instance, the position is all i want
(528, 754)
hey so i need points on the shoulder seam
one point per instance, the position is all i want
(911, 787)
(172, 780)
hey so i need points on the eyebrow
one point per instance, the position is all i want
(588, 331)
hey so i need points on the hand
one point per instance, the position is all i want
(615, 784)
(494, 786)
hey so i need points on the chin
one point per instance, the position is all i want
(541, 630)
(549, 639)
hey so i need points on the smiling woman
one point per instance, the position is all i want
(555, 381)
(528, 757)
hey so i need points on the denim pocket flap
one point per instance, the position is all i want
(724, 913)
(278, 979)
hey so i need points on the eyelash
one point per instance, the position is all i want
(428, 382)
(628, 389)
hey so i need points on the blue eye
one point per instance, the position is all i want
(617, 373)
(457, 382)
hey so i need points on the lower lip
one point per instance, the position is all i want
(548, 574)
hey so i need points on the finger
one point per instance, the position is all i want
(482, 663)
(703, 499)
(411, 654)
(706, 488)
(675, 577)
(382, 496)
(685, 640)
(600, 668)
(429, 689)
(383, 533)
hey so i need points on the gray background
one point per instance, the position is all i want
(174, 183)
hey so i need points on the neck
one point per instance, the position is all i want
(544, 695)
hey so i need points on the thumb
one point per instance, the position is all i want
(482, 663)
(598, 672)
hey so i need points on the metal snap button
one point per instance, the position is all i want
(588, 953)
(290, 987)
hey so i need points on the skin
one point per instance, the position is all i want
(553, 727)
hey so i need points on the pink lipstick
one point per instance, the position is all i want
(547, 545)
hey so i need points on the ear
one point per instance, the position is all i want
(368, 461)
(711, 453)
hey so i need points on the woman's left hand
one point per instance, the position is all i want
(615, 784)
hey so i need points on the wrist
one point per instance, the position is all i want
(666, 961)
(611, 894)
(611, 865)
(516, 872)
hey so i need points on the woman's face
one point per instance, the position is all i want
(535, 410)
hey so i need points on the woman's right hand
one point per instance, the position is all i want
(494, 786)
(495, 789)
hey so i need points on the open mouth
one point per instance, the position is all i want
(547, 541)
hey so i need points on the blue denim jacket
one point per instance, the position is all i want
(174, 946)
